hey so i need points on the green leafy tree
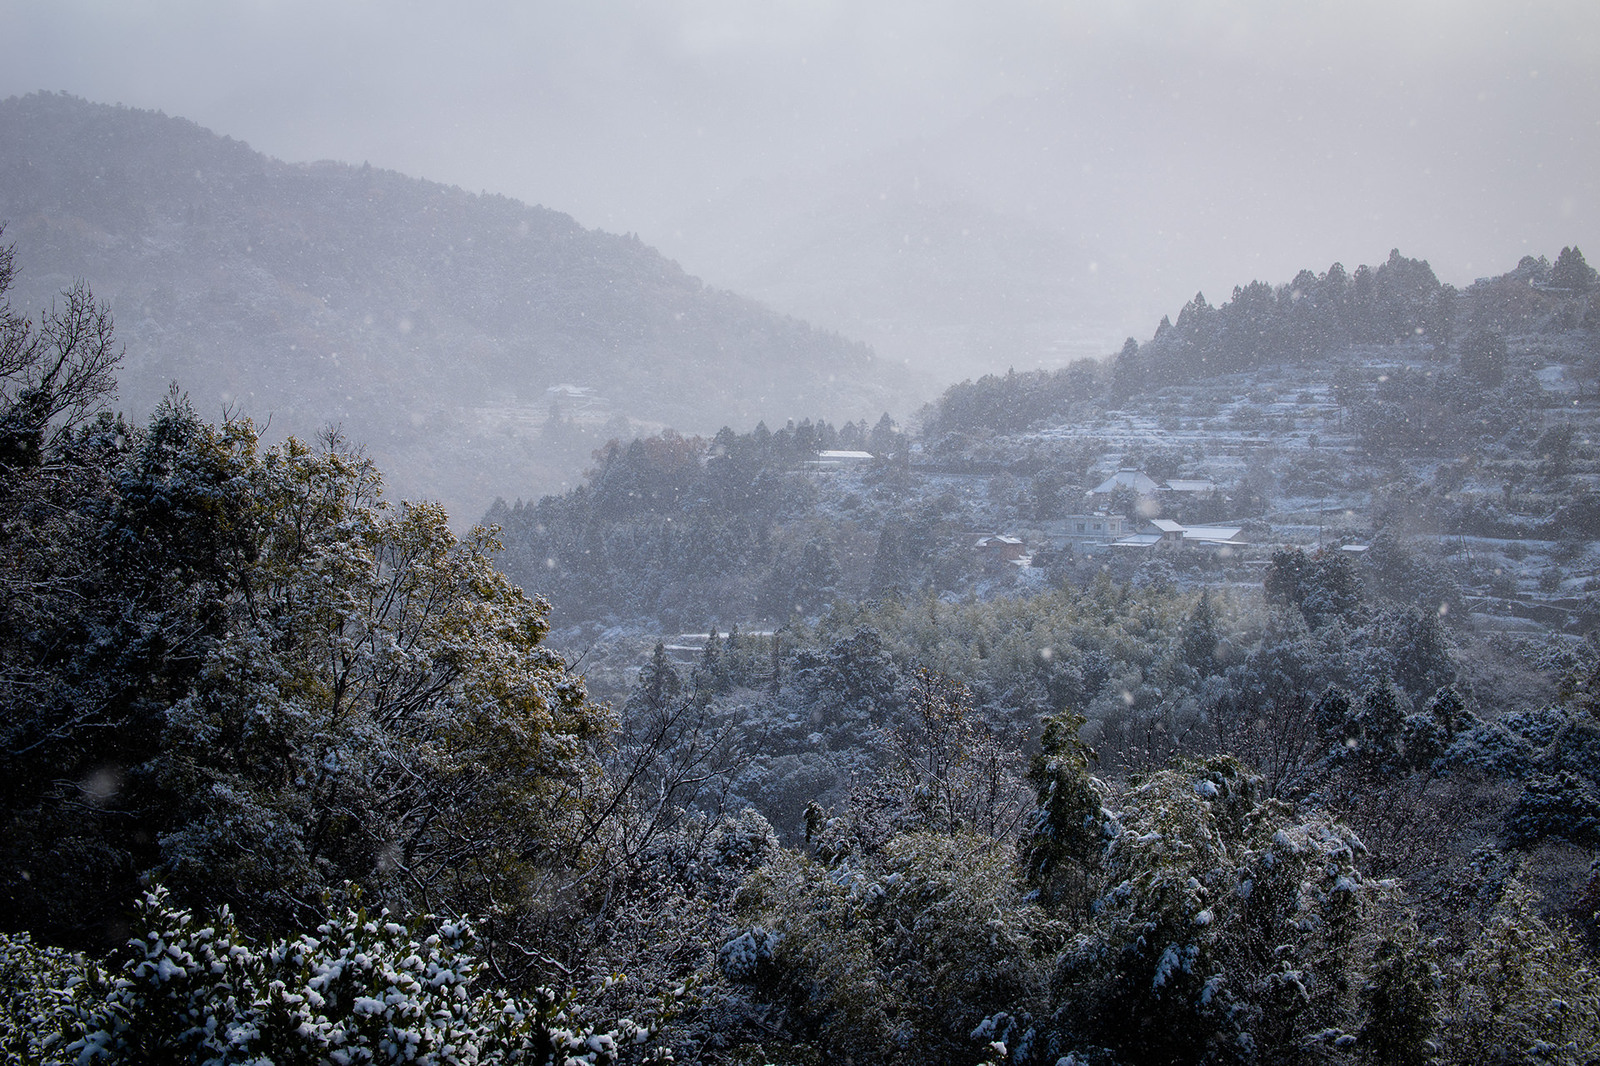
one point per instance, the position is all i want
(395, 716)
(1522, 991)
(1400, 1004)
(275, 682)
(911, 955)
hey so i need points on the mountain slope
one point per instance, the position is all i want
(913, 261)
(429, 322)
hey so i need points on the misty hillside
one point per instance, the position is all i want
(903, 255)
(441, 328)
(1041, 227)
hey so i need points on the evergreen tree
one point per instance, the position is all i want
(658, 685)
(1400, 1004)
(1069, 824)
(1200, 637)
(735, 656)
(271, 682)
(1572, 272)
(1484, 356)
(884, 438)
(1129, 370)
(711, 676)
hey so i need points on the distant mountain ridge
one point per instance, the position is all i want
(431, 323)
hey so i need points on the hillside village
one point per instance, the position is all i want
(1271, 458)
(1284, 440)
(1367, 448)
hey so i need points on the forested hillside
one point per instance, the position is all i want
(1420, 701)
(1329, 409)
(467, 340)
(1312, 319)
(293, 773)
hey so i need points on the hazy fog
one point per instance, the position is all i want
(1145, 150)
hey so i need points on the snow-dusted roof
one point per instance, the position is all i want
(1179, 485)
(833, 454)
(1138, 540)
(989, 542)
(1213, 534)
(1160, 527)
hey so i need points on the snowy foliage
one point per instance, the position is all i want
(896, 957)
(45, 990)
(1226, 926)
(1520, 992)
(362, 988)
(278, 682)
(237, 670)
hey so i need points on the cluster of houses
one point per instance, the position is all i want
(1101, 529)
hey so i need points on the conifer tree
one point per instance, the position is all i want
(1572, 272)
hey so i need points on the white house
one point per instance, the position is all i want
(1168, 535)
(1085, 532)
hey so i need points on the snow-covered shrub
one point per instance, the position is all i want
(1227, 927)
(42, 987)
(362, 988)
(662, 917)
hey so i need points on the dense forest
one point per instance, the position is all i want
(294, 773)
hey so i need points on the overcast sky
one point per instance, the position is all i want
(1244, 138)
